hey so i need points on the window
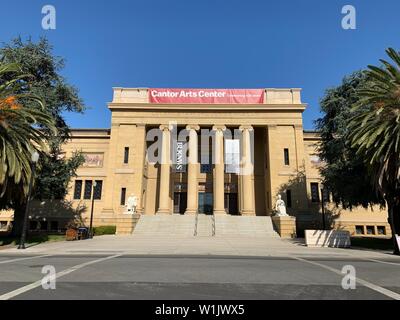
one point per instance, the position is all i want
(123, 196)
(289, 198)
(359, 229)
(314, 192)
(126, 155)
(205, 168)
(381, 230)
(87, 194)
(286, 156)
(370, 230)
(78, 190)
(97, 189)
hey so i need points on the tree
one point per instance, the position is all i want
(374, 132)
(46, 83)
(19, 132)
(55, 174)
(345, 174)
(37, 60)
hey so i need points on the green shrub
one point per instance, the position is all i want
(99, 231)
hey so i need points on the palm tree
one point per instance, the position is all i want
(20, 128)
(375, 132)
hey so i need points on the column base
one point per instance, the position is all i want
(190, 211)
(219, 211)
(163, 211)
(248, 213)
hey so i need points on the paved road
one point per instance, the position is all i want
(124, 276)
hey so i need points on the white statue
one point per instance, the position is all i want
(280, 207)
(132, 203)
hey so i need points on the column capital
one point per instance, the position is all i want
(195, 127)
(166, 127)
(218, 127)
(246, 127)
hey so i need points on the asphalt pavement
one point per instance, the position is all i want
(184, 277)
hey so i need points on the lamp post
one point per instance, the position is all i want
(323, 207)
(91, 212)
(34, 160)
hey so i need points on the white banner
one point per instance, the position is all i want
(180, 160)
(232, 156)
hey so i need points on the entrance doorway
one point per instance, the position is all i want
(180, 202)
(205, 202)
(231, 203)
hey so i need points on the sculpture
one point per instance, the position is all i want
(132, 203)
(280, 207)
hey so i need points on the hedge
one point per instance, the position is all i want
(101, 230)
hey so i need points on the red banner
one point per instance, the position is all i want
(206, 96)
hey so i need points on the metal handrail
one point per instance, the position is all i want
(196, 221)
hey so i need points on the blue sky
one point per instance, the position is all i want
(209, 44)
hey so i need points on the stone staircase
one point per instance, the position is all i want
(165, 225)
(244, 226)
(228, 226)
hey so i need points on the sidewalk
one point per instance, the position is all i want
(230, 246)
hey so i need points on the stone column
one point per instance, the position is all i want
(272, 177)
(193, 168)
(247, 172)
(219, 170)
(164, 200)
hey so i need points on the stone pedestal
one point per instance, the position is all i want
(126, 223)
(285, 226)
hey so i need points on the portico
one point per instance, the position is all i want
(211, 133)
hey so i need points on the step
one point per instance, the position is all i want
(248, 226)
(168, 225)
(225, 226)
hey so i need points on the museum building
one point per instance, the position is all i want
(241, 148)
